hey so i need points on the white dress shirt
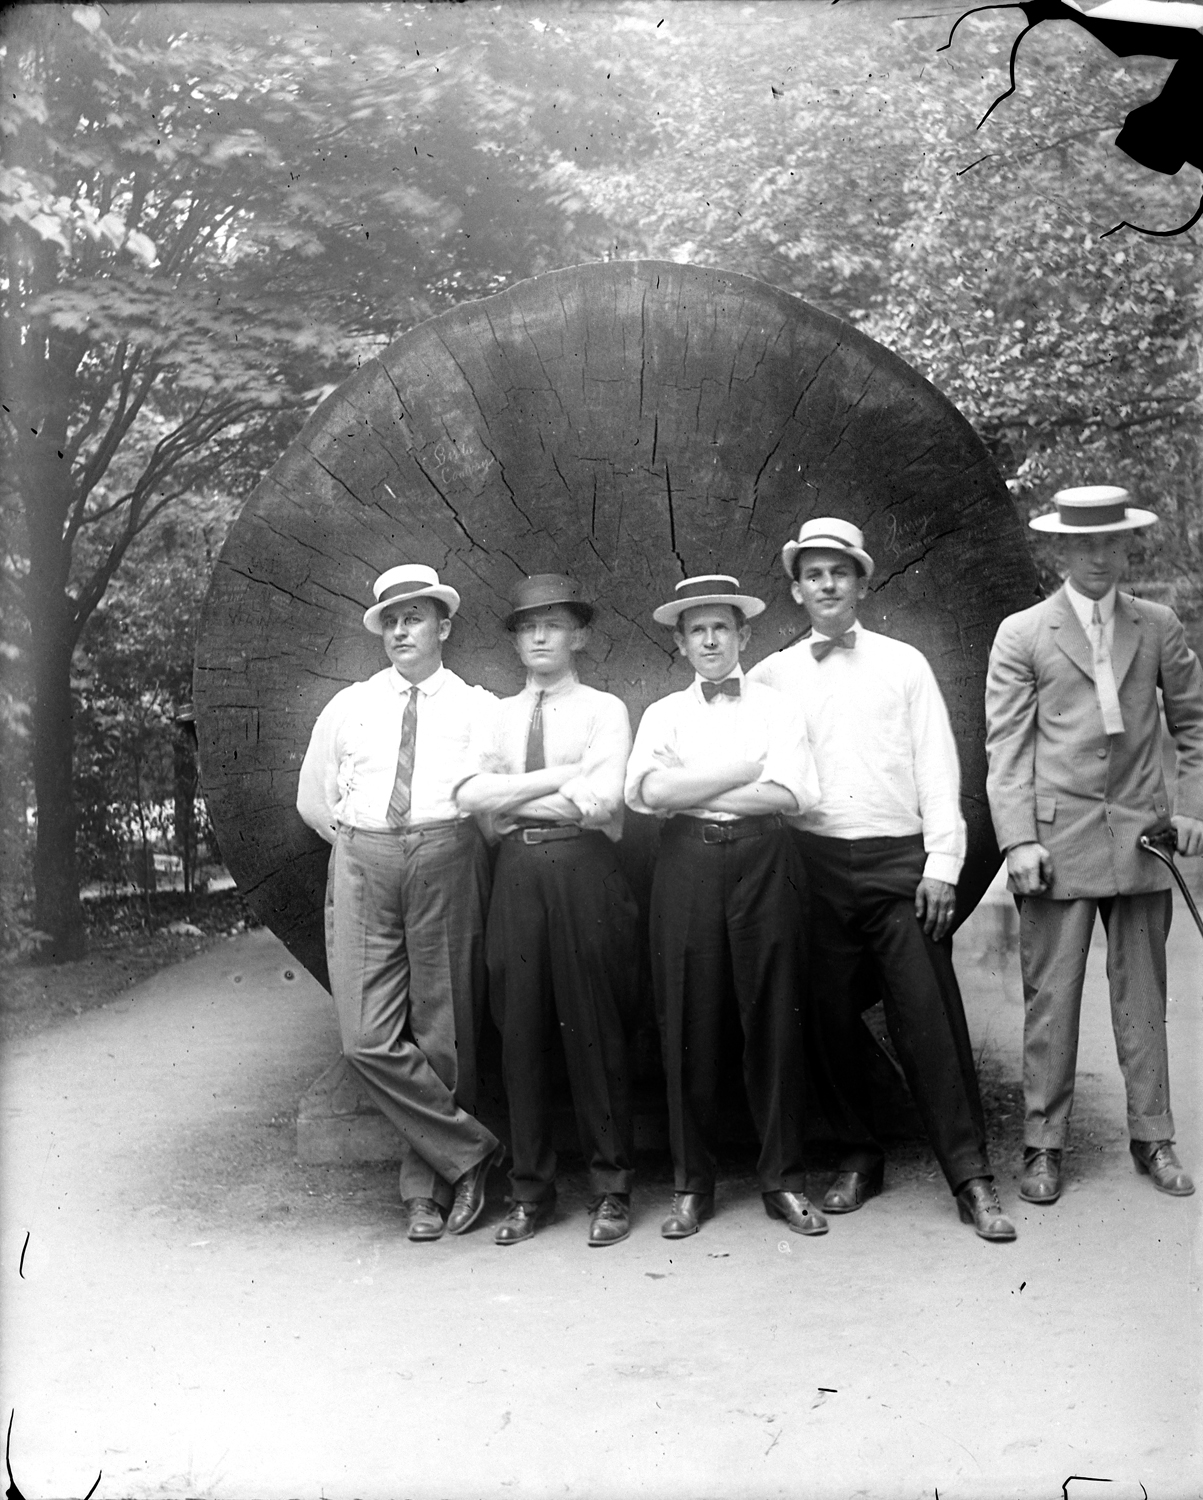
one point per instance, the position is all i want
(760, 725)
(350, 766)
(882, 743)
(579, 724)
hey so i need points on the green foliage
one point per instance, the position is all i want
(132, 673)
(212, 212)
(836, 153)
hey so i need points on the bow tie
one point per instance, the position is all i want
(729, 688)
(820, 650)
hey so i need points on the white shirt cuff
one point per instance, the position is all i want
(946, 867)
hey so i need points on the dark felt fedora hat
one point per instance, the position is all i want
(542, 589)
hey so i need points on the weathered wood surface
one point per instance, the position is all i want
(631, 423)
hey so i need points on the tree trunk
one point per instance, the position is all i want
(183, 756)
(56, 879)
(629, 423)
(44, 481)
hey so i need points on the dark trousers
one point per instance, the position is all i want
(730, 918)
(561, 949)
(404, 942)
(863, 900)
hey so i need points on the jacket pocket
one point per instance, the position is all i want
(1046, 809)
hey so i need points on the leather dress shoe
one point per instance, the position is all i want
(851, 1190)
(425, 1219)
(1156, 1159)
(978, 1204)
(470, 1192)
(611, 1219)
(1041, 1181)
(687, 1215)
(519, 1223)
(796, 1210)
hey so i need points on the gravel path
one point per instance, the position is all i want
(190, 1312)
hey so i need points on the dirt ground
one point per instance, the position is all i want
(188, 1311)
(122, 951)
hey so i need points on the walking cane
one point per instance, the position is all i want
(1162, 842)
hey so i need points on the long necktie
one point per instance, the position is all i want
(398, 803)
(534, 737)
(821, 650)
(728, 688)
(1104, 675)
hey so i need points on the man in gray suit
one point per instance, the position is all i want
(1074, 744)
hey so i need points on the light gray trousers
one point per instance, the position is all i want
(1054, 941)
(405, 947)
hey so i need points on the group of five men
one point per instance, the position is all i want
(810, 832)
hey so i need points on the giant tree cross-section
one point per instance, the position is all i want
(630, 423)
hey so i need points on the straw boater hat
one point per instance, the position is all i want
(828, 534)
(709, 588)
(543, 589)
(1092, 507)
(399, 585)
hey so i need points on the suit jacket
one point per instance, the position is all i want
(1056, 777)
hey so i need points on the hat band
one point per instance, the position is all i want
(404, 590)
(1092, 515)
(706, 588)
(837, 541)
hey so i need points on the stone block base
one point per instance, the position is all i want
(339, 1125)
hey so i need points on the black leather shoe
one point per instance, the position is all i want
(425, 1219)
(1041, 1174)
(978, 1204)
(796, 1210)
(851, 1190)
(470, 1193)
(1156, 1159)
(688, 1213)
(519, 1223)
(611, 1219)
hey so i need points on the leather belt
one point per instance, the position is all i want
(725, 833)
(550, 834)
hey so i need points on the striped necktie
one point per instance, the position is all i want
(398, 803)
(535, 760)
(1104, 675)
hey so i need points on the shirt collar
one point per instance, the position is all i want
(818, 635)
(426, 687)
(698, 679)
(565, 685)
(1083, 605)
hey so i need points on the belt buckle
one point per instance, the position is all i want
(720, 834)
(532, 835)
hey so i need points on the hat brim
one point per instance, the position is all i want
(511, 620)
(1052, 522)
(789, 554)
(441, 591)
(669, 614)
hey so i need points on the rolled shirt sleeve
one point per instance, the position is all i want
(760, 726)
(788, 761)
(317, 789)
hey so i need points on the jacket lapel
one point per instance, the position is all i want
(1069, 635)
(1127, 637)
